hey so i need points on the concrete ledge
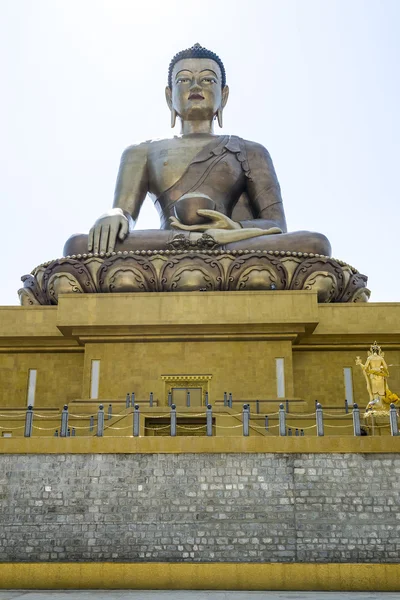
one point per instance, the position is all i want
(201, 576)
(200, 445)
(162, 309)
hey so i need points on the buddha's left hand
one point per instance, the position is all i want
(226, 236)
(217, 221)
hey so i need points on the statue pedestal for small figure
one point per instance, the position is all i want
(377, 422)
(194, 270)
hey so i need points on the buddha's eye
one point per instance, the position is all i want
(209, 80)
(182, 80)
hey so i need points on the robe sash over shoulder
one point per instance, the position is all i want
(201, 175)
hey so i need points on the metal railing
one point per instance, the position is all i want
(171, 420)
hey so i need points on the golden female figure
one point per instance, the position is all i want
(376, 373)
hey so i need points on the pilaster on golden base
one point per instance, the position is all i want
(194, 270)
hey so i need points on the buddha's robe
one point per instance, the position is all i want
(221, 170)
(240, 178)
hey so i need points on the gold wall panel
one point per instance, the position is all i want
(245, 368)
(59, 378)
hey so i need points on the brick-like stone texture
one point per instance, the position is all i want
(200, 507)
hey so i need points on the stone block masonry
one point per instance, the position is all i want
(200, 507)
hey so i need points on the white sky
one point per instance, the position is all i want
(315, 81)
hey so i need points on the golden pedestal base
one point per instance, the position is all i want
(215, 341)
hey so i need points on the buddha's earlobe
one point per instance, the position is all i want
(168, 97)
(173, 117)
(225, 95)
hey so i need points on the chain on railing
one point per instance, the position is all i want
(285, 428)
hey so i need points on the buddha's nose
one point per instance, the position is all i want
(195, 87)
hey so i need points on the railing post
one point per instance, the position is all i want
(282, 420)
(246, 419)
(56, 433)
(301, 432)
(73, 432)
(100, 421)
(296, 433)
(151, 399)
(91, 423)
(346, 407)
(188, 398)
(169, 398)
(356, 420)
(230, 400)
(28, 422)
(290, 432)
(319, 416)
(173, 420)
(64, 422)
(109, 412)
(69, 432)
(136, 421)
(394, 425)
(225, 399)
(127, 401)
(266, 423)
(133, 399)
(209, 419)
(206, 399)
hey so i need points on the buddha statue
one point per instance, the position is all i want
(203, 185)
(215, 195)
(376, 373)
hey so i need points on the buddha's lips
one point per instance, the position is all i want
(196, 97)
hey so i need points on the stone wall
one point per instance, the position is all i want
(200, 507)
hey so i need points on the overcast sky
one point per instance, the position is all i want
(315, 81)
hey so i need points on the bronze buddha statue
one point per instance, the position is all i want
(235, 176)
(215, 194)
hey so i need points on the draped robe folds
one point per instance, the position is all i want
(207, 174)
(239, 177)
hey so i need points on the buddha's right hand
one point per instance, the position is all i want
(104, 233)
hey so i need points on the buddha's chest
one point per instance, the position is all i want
(169, 159)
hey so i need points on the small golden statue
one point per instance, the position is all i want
(376, 373)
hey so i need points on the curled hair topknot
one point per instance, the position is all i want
(196, 51)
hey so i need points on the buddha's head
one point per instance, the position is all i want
(197, 87)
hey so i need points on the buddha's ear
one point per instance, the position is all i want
(168, 97)
(224, 100)
(225, 96)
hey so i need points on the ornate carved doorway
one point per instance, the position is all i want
(179, 385)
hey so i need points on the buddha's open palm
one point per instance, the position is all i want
(107, 229)
(217, 221)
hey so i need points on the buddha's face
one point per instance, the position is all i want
(196, 89)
